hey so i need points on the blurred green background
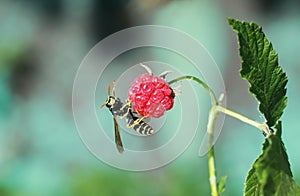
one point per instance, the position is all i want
(42, 44)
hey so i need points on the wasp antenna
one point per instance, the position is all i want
(108, 90)
(147, 68)
(113, 90)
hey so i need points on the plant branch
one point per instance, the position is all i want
(215, 109)
(261, 126)
(211, 154)
(210, 130)
(211, 93)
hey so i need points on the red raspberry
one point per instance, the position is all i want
(150, 95)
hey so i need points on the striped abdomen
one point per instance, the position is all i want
(140, 126)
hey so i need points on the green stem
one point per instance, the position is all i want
(211, 93)
(211, 153)
(215, 109)
(210, 129)
(261, 126)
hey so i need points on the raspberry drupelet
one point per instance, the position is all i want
(150, 95)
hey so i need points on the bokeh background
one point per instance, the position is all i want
(42, 43)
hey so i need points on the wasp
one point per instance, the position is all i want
(117, 108)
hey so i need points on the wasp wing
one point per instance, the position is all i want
(118, 140)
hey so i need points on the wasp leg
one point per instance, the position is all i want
(126, 104)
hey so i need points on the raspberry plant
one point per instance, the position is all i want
(270, 173)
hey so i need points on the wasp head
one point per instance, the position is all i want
(109, 102)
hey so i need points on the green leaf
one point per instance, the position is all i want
(271, 174)
(221, 185)
(260, 67)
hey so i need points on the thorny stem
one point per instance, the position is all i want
(215, 109)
